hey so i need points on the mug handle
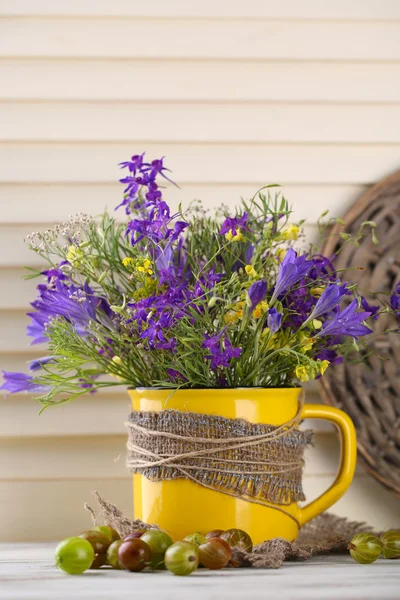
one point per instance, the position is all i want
(348, 459)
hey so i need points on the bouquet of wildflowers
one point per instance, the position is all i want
(186, 300)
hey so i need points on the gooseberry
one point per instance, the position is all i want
(99, 561)
(108, 531)
(135, 534)
(74, 555)
(365, 548)
(158, 542)
(237, 538)
(182, 558)
(134, 555)
(99, 541)
(215, 553)
(195, 538)
(391, 544)
(112, 554)
(215, 533)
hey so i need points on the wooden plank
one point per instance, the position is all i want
(217, 80)
(198, 122)
(60, 458)
(16, 292)
(53, 510)
(184, 38)
(27, 571)
(290, 9)
(209, 163)
(103, 413)
(42, 204)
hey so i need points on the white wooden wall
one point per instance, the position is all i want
(235, 94)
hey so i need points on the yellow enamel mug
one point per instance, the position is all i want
(181, 506)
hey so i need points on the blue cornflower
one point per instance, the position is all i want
(347, 322)
(274, 320)
(291, 271)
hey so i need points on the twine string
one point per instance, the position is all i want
(253, 467)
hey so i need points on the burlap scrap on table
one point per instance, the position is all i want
(262, 462)
(326, 534)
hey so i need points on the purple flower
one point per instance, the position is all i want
(221, 350)
(35, 365)
(329, 355)
(76, 305)
(274, 320)
(234, 224)
(179, 227)
(154, 333)
(329, 299)
(395, 299)
(156, 167)
(291, 271)
(175, 375)
(346, 322)
(257, 292)
(135, 164)
(322, 268)
(369, 308)
(20, 382)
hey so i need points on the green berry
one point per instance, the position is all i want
(74, 555)
(182, 558)
(158, 542)
(391, 544)
(365, 548)
(195, 538)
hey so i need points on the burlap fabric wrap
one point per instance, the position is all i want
(326, 534)
(257, 462)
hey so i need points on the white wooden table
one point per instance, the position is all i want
(27, 572)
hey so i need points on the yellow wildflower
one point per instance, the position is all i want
(250, 270)
(316, 291)
(146, 267)
(302, 373)
(260, 309)
(316, 323)
(323, 365)
(235, 238)
(232, 316)
(280, 254)
(306, 342)
(290, 233)
(127, 261)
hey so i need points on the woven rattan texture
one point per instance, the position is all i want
(255, 460)
(370, 392)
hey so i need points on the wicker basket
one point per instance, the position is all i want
(370, 392)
